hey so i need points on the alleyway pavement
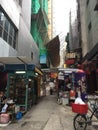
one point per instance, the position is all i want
(46, 115)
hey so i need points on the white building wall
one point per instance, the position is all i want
(6, 50)
(21, 20)
(12, 10)
(26, 12)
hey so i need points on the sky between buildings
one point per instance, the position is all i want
(62, 9)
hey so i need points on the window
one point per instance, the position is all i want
(7, 30)
(89, 26)
(87, 2)
(2, 18)
(32, 55)
(5, 35)
(0, 31)
(6, 24)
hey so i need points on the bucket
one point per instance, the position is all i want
(19, 115)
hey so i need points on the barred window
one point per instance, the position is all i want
(7, 30)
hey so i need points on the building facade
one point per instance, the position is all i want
(89, 26)
(39, 28)
(74, 48)
(50, 19)
(89, 41)
(15, 36)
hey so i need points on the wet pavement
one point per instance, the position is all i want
(47, 115)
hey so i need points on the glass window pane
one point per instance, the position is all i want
(11, 30)
(6, 25)
(1, 31)
(5, 34)
(10, 40)
(14, 34)
(14, 44)
(2, 18)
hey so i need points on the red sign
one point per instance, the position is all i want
(70, 61)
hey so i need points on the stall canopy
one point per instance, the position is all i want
(14, 60)
(10, 64)
(53, 49)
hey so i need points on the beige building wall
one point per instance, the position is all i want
(89, 24)
(94, 22)
(50, 19)
(83, 27)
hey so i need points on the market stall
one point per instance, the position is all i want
(21, 85)
(73, 80)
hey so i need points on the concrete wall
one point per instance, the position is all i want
(6, 50)
(94, 21)
(26, 44)
(91, 16)
(83, 27)
(26, 12)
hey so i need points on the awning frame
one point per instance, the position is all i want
(11, 64)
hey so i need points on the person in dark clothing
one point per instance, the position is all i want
(2, 99)
(51, 91)
(2, 96)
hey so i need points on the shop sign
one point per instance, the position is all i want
(61, 77)
(70, 61)
(70, 55)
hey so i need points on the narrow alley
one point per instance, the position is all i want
(46, 115)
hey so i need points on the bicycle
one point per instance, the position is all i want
(81, 119)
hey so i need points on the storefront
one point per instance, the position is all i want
(20, 83)
(90, 65)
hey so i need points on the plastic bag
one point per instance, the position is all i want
(78, 100)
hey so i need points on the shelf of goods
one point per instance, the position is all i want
(20, 91)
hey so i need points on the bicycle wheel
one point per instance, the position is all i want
(80, 122)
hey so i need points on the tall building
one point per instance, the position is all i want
(89, 26)
(74, 49)
(89, 41)
(82, 26)
(73, 30)
(53, 46)
(42, 31)
(15, 36)
(39, 28)
(50, 19)
(53, 9)
(55, 30)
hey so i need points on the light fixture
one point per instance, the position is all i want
(30, 80)
(20, 72)
(36, 73)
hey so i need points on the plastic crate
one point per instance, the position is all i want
(80, 108)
